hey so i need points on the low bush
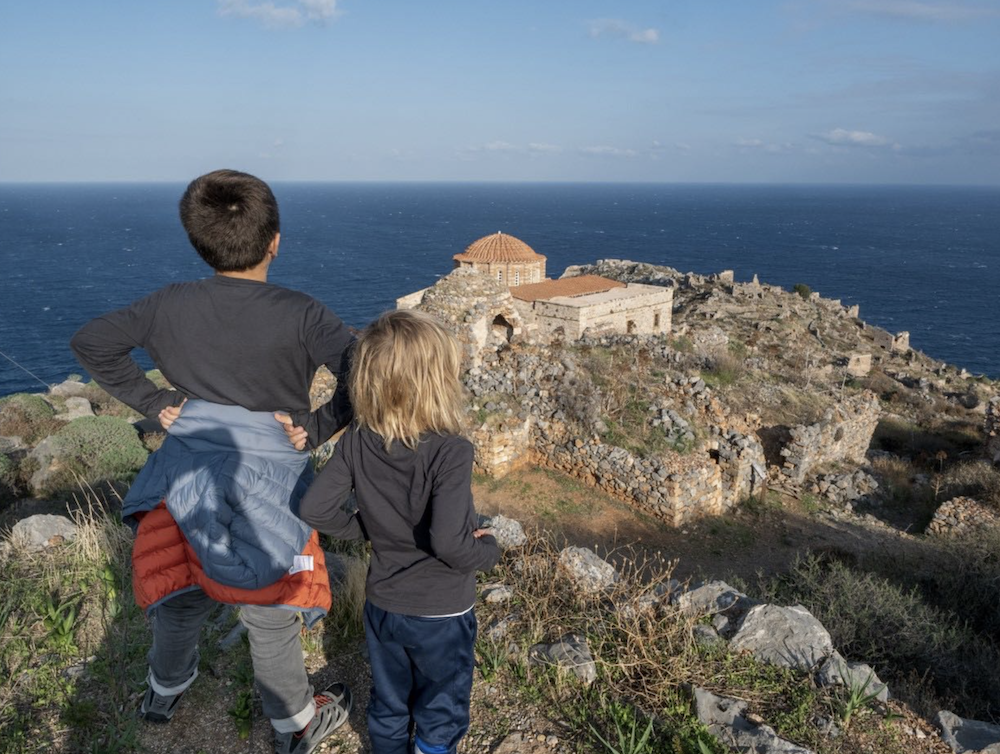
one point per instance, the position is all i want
(9, 481)
(803, 290)
(94, 449)
(27, 416)
(899, 631)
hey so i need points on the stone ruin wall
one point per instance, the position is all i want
(676, 488)
(844, 433)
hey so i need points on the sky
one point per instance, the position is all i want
(736, 91)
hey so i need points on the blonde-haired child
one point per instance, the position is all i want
(412, 473)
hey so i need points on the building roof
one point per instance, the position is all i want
(573, 286)
(499, 247)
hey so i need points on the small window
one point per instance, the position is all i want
(517, 277)
(499, 276)
(656, 320)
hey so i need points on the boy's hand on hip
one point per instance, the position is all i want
(169, 415)
(297, 436)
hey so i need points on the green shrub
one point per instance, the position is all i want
(803, 290)
(897, 630)
(8, 478)
(27, 416)
(96, 448)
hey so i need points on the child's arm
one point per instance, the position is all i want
(452, 537)
(322, 507)
(329, 342)
(104, 346)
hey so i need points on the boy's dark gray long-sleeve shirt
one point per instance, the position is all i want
(226, 340)
(416, 508)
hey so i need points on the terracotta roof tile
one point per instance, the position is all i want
(499, 247)
(574, 286)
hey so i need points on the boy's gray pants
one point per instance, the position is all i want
(278, 666)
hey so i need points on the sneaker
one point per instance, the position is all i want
(333, 705)
(157, 708)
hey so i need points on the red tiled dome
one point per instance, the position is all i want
(499, 247)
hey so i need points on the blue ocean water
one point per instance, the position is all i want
(923, 259)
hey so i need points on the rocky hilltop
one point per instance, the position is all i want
(760, 405)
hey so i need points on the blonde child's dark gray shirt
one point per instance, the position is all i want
(416, 508)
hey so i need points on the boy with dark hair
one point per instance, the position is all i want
(214, 508)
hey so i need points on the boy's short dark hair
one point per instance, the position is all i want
(231, 219)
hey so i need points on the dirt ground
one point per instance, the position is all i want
(761, 538)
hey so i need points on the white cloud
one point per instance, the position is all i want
(841, 137)
(272, 16)
(604, 151)
(763, 146)
(538, 147)
(917, 10)
(613, 27)
(500, 146)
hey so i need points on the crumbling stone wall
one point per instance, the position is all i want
(844, 433)
(501, 448)
(676, 488)
(480, 311)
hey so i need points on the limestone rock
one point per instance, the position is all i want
(570, 653)
(496, 593)
(725, 719)
(508, 532)
(76, 408)
(589, 572)
(837, 671)
(69, 388)
(968, 735)
(500, 627)
(44, 530)
(786, 636)
(711, 598)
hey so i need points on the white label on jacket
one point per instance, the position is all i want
(301, 563)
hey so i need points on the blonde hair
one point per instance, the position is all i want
(404, 378)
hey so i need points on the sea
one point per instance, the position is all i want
(921, 259)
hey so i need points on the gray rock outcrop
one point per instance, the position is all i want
(837, 671)
(587, 570)
(725, 719)
(569, 653)
(968, 735)
(44, 530)
(786, 636)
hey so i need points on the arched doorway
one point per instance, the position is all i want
(502, 328)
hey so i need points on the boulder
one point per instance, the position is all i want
(44, 530)
(75, 408)
(69, 388)
(968, 735)
(569, 653)
(508, 532)
(712, 598)
(725, 720)
(786, 636)
(837, 671)
(588, 571)
(496, 593)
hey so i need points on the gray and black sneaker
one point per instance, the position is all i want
(157, 708)
(333, 705)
